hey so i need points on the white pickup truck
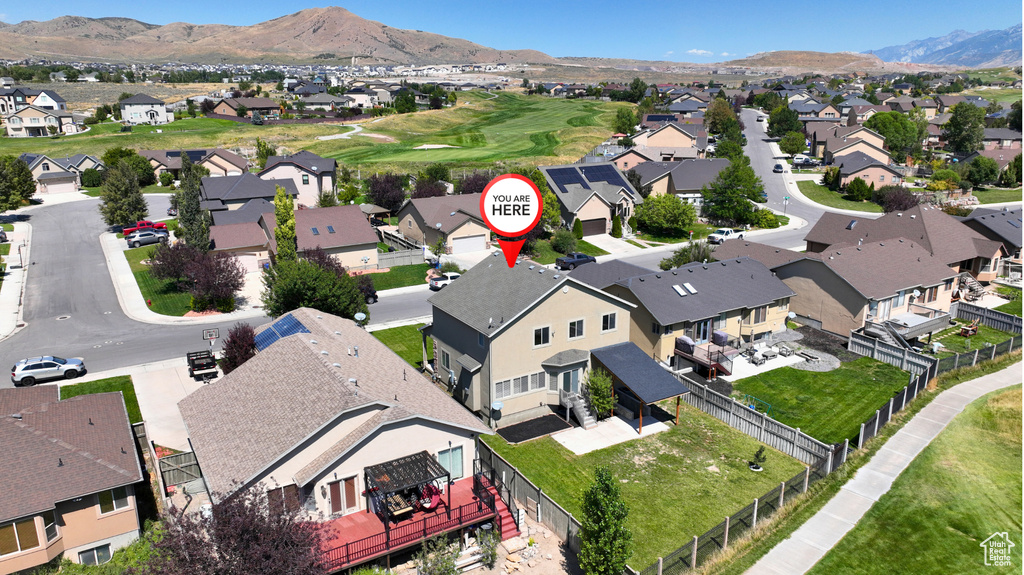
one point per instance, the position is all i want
(722, 234)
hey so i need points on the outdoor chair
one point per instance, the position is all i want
(430, 497)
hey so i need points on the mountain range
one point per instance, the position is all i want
(985, 49)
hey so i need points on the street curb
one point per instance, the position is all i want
(22, 279)
(399, 323)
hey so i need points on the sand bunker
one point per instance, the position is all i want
(433, 146)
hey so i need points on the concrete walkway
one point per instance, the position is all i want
(13, 289)
(808, 544)
(612, 245)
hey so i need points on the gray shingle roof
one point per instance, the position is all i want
(306, 160)
(337, 226)
(575, 195)
(685, 175)
(234, 236)
(244, 187)
(249, 212)
(141, 99)
(771, 256)
(602, 275)
(721, 286)
(637, 371)
(854, 162)
(880, 269)
(567, 357)
(449, 211)
(256, 415)
(1005, 225)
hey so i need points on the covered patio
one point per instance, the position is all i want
(637, 379)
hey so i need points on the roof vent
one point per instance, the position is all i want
(531, 267)
(353, 381)
(355, 350)
(657, 276)
(16, 415)
(452, 214)
(336, 364)
(541, 270)
(899, 214)
(675, 272)
(323, 352)
(851, 225)
(723, 263)
(556, 276)
(640, 278)
(313, 341)
(337, 333)
(913, 216)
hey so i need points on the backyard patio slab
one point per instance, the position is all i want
(609, 432)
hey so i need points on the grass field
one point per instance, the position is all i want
(996, 94)
(401, 276)
(828, 406)
(677, 484)
(955, 343)
(996, 196)
(965, 486)
(820, 194)
(122, 383)
(544, 254)
(407, 342)
(1013, 306)
(166, 298)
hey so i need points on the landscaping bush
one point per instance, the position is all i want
(895, 198)
(166, 178)
(764, 218)
(616, 227)
(577, 229)
(665, 214)
(171, 262)
(632, 222)
(92, 178)
(946, 176)
(447, 267)
(90, 121)
(831, 179)
(239, 346)
(598, 389)
(858, 190)
(215, 278)
(564, 241)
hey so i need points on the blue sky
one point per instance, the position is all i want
(642, 29)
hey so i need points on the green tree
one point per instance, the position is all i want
(1013, 119)
(121, 201)
(783, 120)
(718, 113)
(563, 242)
(326, 199)
(1011, 175)
(665, 214)
(241, 111)
(263, 151)
(551, 215)
(190, 108)
(284, 231)
(858, 190)
(16, 183)
(616, 227)
(291, 284)
(577, 229)
(634, 179)
(405, 102)
(729, 195)
(143, 169)
(636, 90)
(982, 170)
(625, 121)
(946, 175)
(437, 557)
(437, 172)
(729, 149)
(900, 131)
(699, 251)
(193, 221)
(605, 541)
(965, 129)
(768, 101)
(793, 143)
(598, 389)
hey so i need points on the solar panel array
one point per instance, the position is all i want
(606, 173)
(283, 327)
(661, 118)
(562, 177)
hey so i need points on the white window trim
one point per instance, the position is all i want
(615, 320)
(446, 359)
(113, 501)
(550, 336)
(583, 329)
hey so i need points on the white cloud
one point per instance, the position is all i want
(667, 54)
(697, 52)
(3, 17)
(727, 54)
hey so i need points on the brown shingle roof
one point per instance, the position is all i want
(449, 211)
(64, 449)
(771, 256)
(880, 269)
(256, 415)
(234, 236)
(350, 228)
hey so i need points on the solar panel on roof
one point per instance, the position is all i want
(563, 177)
(283, 327)
(608, 174)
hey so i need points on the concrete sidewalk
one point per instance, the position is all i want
(13, 289)
(808, 544)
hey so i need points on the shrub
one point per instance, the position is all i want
(577, 229)
(616, 227)
(92, 178)
(598, 389)
(764, 218)
(448, 266)
(564, 241)
(632, 222)
(166, 178)
(895, 198)
(946, 176)
(172, 226)
(91, 120)
(215, 278)
(831, 179)
(239, 346)
(858, 190)
(171, 262)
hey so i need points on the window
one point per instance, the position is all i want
(541, 336)
(95, 556)
(931, 294)
(446, 359)
(608, 322)
(656, 328)
(576, 329)
(503, 389)
(881, 178)
(480, 339)
(948, 285)
(784, 304)
(895, 179)
(46, 167)
(18, 536)
(305, 179)
(537, 381)
(521, 384)
(451, 460)
(113, 500)
(758, 315)
(408, 223)
(50, 525)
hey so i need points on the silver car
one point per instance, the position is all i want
(29, 371)
(146, 237)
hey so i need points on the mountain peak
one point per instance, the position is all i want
(987, 48)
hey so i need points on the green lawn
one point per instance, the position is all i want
(7, 227)
(997, 196)
(401, 276)
(407, 342)
(637, 244)
(166, 298)
(820, 194)
(955, 343)
(544, 254)
(828, 406)
(965, 486)
(1013, 306)
(700, 231)
(677, 484)
(122, 383)
(996, 94)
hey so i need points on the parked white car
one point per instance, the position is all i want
(445, 279)
(722, 234)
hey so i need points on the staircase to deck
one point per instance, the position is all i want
(973, 286)
(505, 523)
(575, 403)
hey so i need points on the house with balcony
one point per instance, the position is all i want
(70, 479)
(333, 424)
(1001, 225)
(34, 122)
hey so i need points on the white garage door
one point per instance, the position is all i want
(249, 261)
(61, 188)
(469, 244)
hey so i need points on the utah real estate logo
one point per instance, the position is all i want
(997, 549)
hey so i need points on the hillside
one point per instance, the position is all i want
(815, 61)
(985, 49)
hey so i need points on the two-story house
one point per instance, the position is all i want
(593, 193)
(516, 336)
(219, 162)
(50, 176)
(143, 109)
(311, 174)
(69, 482)
(32, 121)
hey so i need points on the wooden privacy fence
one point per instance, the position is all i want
(786, 439)
(398, 241)
(179, 468)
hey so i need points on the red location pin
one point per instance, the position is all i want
(511, 205)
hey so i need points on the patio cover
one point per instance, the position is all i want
(371, 209)
(637, 371)
(405, 472)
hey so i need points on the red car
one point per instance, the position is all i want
(144, 225)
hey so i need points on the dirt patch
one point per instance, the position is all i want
(381, 137)
(202, 313)
(826, 343)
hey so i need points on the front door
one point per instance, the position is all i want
(571, 381)
(702, 331)
(343, 496)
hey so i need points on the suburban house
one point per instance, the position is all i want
(684, 179)
(813, 109)
(324, 101)
(143, 109)
(673, 135)
(231, 107)
(1001, 139)
(715, 307)
(247, 241)
(363, 97)
(508, 339)
(827, 141)
(31, 121)
(341, 231)
(860, 114)
(1002, 226)
(454, 218)
(952, 242)
(233, 192)
(592, 193)
(872, 171)
(852, 286)
(249, 212)
(50, 177)
(311, 174)
(1002, 157)
(320, 418)
(79, 163)
(219, 162)
(72, 491)
(13, 99)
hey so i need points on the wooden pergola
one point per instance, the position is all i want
(385, 481)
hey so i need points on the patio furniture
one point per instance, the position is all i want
(430, 498)
(757, 358)
(769, 354)
(399, 477)
(970, 330)
(785, 351)
(398, 505)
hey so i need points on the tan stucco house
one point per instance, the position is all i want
(50, 176)
(684, 179)
(518, 336)
(32, 121)
(219, 162)
(230, 107)
(594, 193)
(341, 231)
(234, 192)
(311, 174)
(860, 165)
(455, 218)
(69, 484)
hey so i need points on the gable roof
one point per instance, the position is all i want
(602, 275)
(449, 211)
(470, 299)
(246, 186)
(336, 226)
(73, 162)
(259, 413)
(1004, 224)
(574, 184)
(1001, 134)
(249, 212)
(771, 256)
(941, 234)
(171, 159)
(853, 162)
(141, 99)
(65, 449)
(234, 236)
(251, 103)
(720, 286)
(304, 160)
